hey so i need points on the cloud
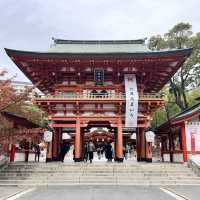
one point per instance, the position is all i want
(29, 25)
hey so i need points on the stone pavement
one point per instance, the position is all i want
(97, 193)
(190, 192)
(101, 193)
(6, 192)
(109, 192)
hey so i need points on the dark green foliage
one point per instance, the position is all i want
(183, 88)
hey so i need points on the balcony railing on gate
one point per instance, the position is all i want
(97, 96)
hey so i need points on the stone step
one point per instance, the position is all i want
(92, 182)
(98, 184)
(96, 166)
(101, 171)
(99, 178)
(93, 167)
(97, 174)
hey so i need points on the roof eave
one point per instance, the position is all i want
(185, 52)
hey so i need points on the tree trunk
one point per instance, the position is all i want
(177, 95)
(183, 90)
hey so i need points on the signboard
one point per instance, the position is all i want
(99, 76)
(48, 136)
(150, 136)
(66, 136)
(192, 131)
(131, 100)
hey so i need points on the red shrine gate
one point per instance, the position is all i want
(84, 86)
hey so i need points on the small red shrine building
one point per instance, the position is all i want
(180, 136)
(23, 131)
(105, 89)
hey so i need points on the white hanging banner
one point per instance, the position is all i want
(131, 100)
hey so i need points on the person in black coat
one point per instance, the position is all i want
(37, 153)
(109, 152)
(27, 148)
(85, 153)
(64, 148)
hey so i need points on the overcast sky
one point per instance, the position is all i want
(30, 24)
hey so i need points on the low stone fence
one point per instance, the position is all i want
(194, 163)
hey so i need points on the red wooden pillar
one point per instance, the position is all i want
(77, 144)
(59, 138)
(184, 146)
(49, 152)
(115, 144)
(12, 152)
(142, 144)
(149, 151)
(82, 144)
(119, 143)
(55, 145)
(138, 145)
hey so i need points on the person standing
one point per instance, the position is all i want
(109, 152)
(65, 147)
(102, 150)
(85, 153)
(126, 151)
(37, 153)
(99, 153)
(27, 148)
(61, 151)
(91, 149)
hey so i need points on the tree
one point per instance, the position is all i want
(180, 36)
(157, 43)
(16, 103)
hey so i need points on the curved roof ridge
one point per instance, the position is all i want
(63, 41)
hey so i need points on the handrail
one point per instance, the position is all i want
(97, 96)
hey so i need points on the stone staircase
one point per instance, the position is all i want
(46, 174)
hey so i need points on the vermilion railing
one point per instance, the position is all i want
(97, 96)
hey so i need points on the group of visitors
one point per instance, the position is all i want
(64, 149)
(88, 152)
(89, 149)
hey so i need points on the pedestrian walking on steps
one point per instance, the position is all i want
(91, 149)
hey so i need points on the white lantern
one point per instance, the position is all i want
(150, 136)
(66, 136)
(48, 135)
(133, 136)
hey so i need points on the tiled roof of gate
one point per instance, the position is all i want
(98, 46)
